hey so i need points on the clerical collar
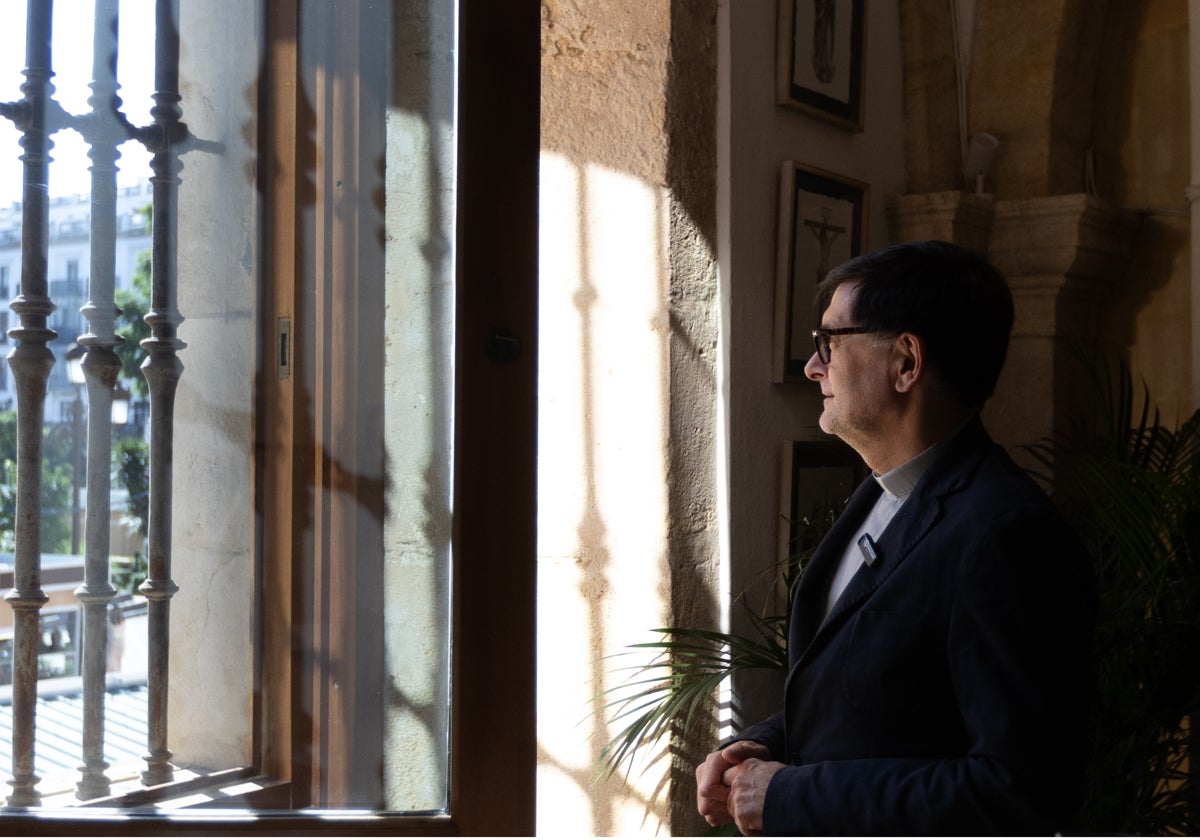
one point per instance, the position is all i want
(901, 481)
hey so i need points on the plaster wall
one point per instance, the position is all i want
(1108, 86)
(761, 414)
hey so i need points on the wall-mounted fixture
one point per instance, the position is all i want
(977, 161)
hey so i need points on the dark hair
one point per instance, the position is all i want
(951, 297)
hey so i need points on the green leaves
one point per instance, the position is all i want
(1130, 486)
(131, 467)
(57, 485)
(134, 303)
(682, 681)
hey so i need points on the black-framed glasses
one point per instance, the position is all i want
(821, 338)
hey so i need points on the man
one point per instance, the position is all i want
(939, 639)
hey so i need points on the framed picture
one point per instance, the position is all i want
(816, 480)
(822, 223)
(819, 59)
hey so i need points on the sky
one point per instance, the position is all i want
(71, 57)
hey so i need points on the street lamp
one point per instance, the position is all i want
(75, 365)
(120, 405)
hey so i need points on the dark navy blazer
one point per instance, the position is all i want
(946, 693)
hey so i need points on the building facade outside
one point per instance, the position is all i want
(69, 263)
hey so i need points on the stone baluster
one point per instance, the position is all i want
(104, 130)
(162, 370)
(31, 361)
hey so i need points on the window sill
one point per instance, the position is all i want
(231, 802)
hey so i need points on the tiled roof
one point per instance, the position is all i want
(59, 722)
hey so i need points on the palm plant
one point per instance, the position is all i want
(679, 683)
(1131, 487)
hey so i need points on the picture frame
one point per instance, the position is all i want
(816, 480)
(820, 51)
(822, 223)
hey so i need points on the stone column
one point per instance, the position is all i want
(1061, 254)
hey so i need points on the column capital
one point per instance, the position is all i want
(1061, 255)
(1077, 242)
(952, 216)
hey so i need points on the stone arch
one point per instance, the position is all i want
(1032, 84)
(931, 135)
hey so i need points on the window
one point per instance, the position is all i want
(320, 453)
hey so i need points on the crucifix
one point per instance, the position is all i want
(825, 234)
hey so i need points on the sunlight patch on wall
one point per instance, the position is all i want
(602, 497)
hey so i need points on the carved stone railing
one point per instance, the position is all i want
(38, 116)
(104, 129)
(162, 370)
(31, 361)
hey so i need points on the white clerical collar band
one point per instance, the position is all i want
(901, 481)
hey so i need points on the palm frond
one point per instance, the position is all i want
(680, 683)
(688, 665)
(1130, 485)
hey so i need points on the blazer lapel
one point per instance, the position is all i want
(809, 605)
(910, 525)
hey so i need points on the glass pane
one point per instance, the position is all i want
(418, 400)
(378, 246)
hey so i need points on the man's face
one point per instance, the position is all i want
(855, 384)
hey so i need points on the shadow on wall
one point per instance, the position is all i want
(609, 462)
(601, 466)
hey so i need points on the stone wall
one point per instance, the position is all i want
(627, 491)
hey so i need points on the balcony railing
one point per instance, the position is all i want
(38, 116)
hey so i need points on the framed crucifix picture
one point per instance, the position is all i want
(822, 223)
(819, 59)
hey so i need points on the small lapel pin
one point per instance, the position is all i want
(867, 546)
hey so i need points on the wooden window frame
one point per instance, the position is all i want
(493, 754)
